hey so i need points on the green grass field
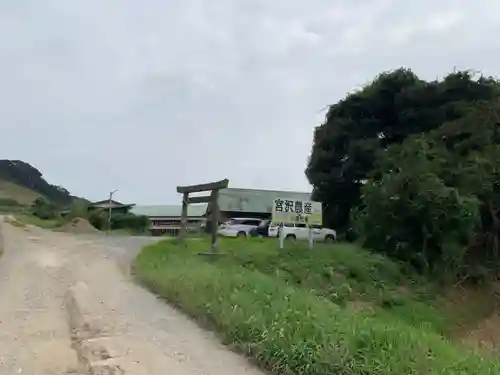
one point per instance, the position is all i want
(335, 310)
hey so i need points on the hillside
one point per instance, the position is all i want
(23, 183)
(20, 194)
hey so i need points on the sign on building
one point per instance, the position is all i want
(297, 211)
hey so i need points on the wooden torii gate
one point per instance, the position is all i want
(213, 206)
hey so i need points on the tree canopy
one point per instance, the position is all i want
(414, 167)
(393, 107)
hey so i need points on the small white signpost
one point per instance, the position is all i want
(289, 211)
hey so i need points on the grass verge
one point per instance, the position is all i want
(289, 324)
(33, 220)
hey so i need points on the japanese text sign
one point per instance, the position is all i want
(297, 211)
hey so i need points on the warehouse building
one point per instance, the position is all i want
(233, 202)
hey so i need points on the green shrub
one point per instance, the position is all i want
(78, 208)
(410, 214)
(99, 219)
(135, 223)
(44, 209)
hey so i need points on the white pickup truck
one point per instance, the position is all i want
(301, 232)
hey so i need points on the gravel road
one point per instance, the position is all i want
(37, 269)
(121, 249)
(35, 338)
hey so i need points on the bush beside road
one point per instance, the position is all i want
(298, 311)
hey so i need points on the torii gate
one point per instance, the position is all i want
(213, 206)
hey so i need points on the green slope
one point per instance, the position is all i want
(20, 194)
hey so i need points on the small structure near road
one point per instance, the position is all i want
(115, 206)
(212, 200)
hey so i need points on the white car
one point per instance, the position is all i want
(238, 227)
(301, 232)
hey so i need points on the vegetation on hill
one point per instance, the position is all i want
(337, 309)
(28, 177)
(413, 167)
(24, 190)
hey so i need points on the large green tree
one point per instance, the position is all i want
(434, 199)
(393, 107)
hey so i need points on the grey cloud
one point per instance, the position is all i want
(143, 96)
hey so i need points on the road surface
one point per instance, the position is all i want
(139, 332)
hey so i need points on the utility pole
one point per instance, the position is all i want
(109, 209)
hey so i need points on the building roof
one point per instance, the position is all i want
(194, 210)
(252, 200)
(106, 203)
(230, 199)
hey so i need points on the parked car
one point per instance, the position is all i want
(238, 227)
(301, 232)
(262, 230)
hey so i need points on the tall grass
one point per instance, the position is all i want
(294, 327)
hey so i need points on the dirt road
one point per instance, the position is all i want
(122, 328)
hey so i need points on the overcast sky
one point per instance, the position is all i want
(142, 96)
